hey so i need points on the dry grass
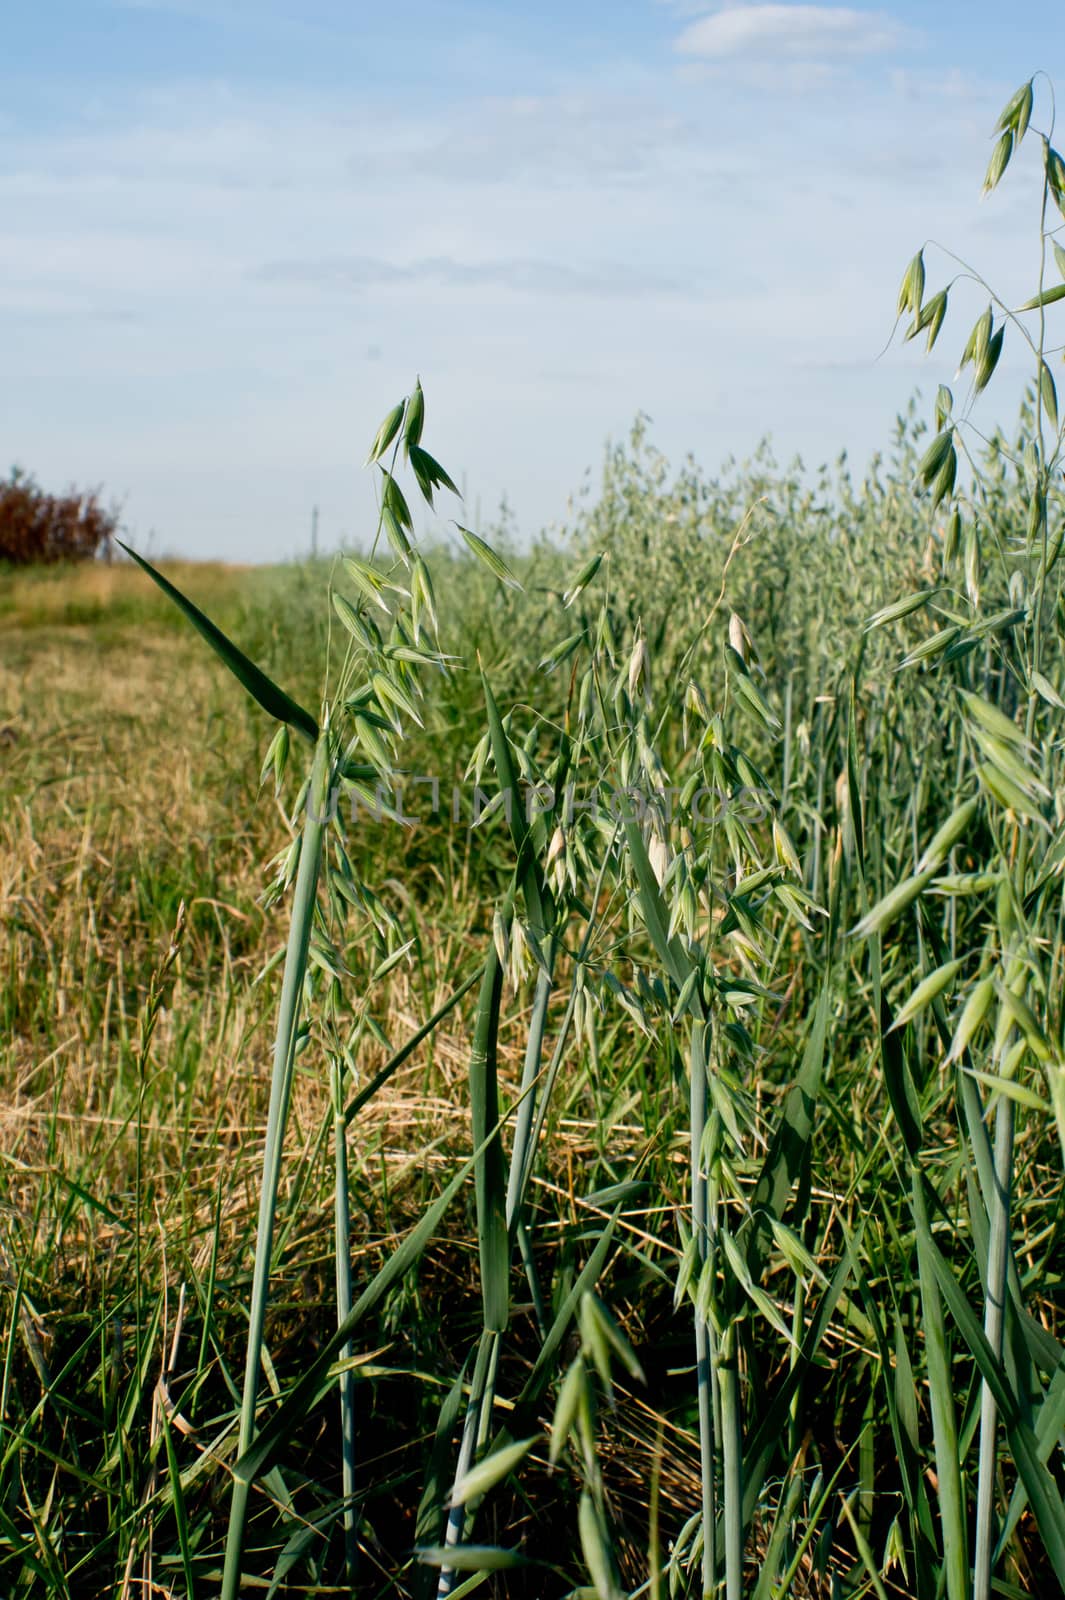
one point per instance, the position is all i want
(124, 784)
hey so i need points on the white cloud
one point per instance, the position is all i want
(790, 31)
(209, 295)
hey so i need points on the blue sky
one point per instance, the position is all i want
(235, 230)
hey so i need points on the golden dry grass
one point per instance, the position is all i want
(127, 764)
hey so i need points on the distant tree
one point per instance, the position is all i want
(36, 527)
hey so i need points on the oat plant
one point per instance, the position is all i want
(389, 627)
(986, 1001)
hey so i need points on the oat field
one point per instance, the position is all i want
(540, 1070)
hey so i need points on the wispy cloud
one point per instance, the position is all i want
(519, 276)
(560, 139)
(790, 31)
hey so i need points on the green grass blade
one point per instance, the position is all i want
(865, 1553)
(898, 1080)
(670, 952)
(429, 1520)
(1049, 1429)
(1043, 1494)
(528, 872)
(783, 1524)
(787, 1151)
(263, 690)
(404, 1053)
(544, 1367)
(181, 1516)
(490, 1175)
(941, 1398)
(471, 1557)
(478, 1413)
(522, 1151)
(315, 1380)
(764, 1442)
(996, 1276)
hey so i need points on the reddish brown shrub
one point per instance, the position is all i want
(40, 527)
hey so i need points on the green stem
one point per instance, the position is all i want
(280, 1093)
(346, 1381)
(704, 1364)
(523, 1150)
(728, 1377)
(471, 1430)
(941, 1398)
(994, 1318)
(493, 1240)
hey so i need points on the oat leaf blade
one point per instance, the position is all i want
(263, 690)
(1043, 1495)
